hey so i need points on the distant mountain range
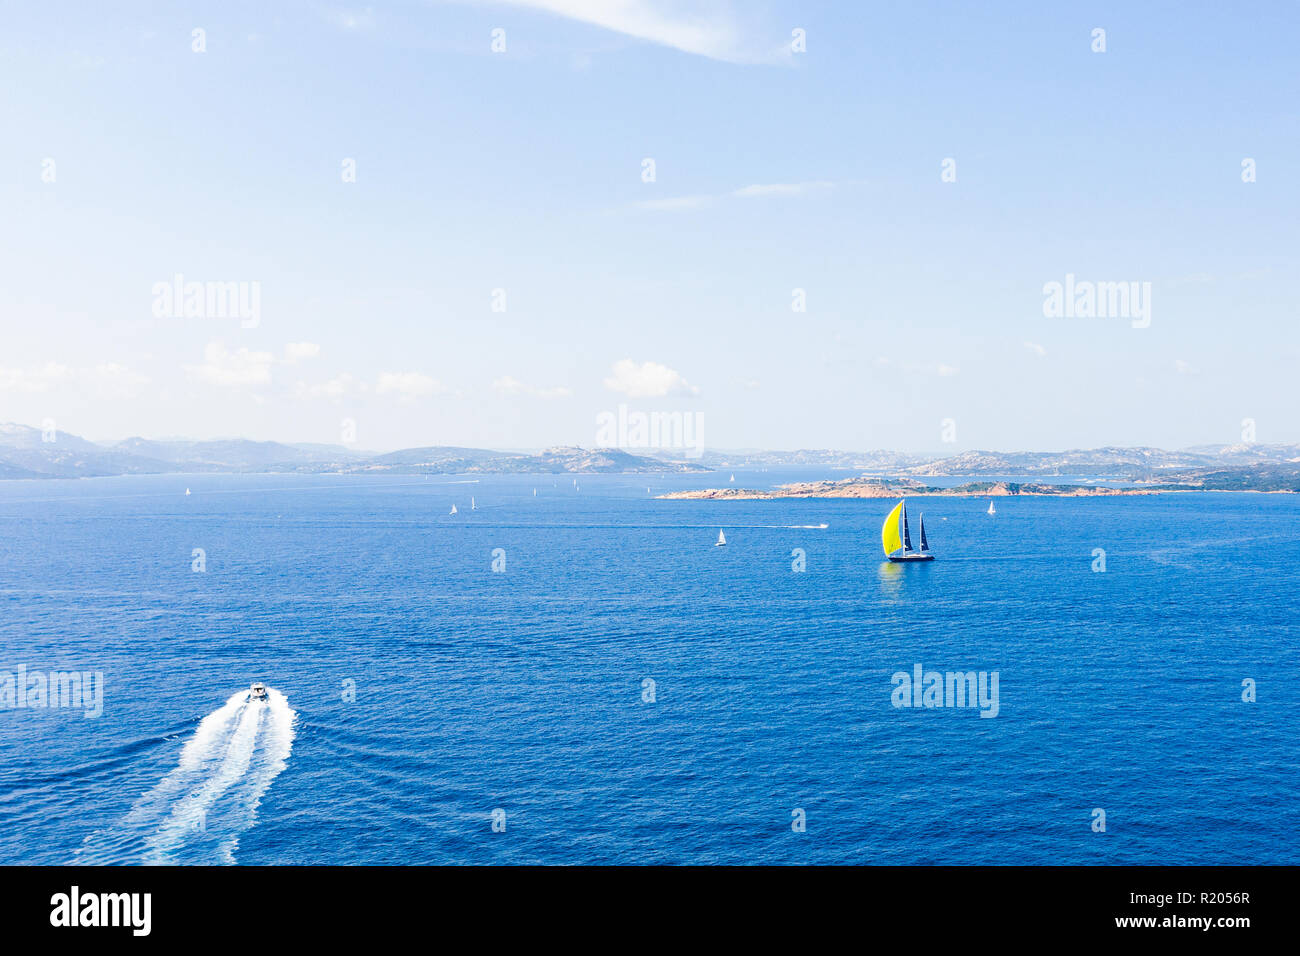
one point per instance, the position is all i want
(1135, 463)
(24, 454)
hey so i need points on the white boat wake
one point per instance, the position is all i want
(198, 811)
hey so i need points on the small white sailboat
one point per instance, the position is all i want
(534, 492)
(722, 540)
(992, 510)
(896, 537)
(733, 479)
(453, 510)
(472, 505)
(187, 491)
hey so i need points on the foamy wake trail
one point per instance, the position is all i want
(198, 811)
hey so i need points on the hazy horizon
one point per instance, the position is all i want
(657, 452)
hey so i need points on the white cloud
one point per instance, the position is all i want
(1186, 368)
(335, 388)
(408, 385)
(675, 202)
(944, 371)
(39, 379)
(507, 385)
(1037, 349)
(691, 26)
(765, 190)
(104, 379)
(647, 380)
(353, 19)
(110, 378)
(297, 351)
(232, 369)
(754, 191)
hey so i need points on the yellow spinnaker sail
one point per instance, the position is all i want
(890, 535)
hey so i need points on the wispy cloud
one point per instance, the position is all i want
(1037, 349)
(336, 388)
(1186, 368)
(246, 366)
(754, 191)
(507, 385)
(232, 369)
(766, 190)
(409, 385)
(942, 370)
(703, 27)
(675, 203)
(363, 19)
(647, 380)
(104, 379)
(297, 351)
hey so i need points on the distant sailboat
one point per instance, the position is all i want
(472, 505)
(722, 540)
(895, 536)
(733, 479)
(187, 491)
(534, 492)
(453, 510)
(992, 510)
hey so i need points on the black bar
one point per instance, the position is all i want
(255, 906)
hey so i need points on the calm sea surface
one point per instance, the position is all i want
(418, 697)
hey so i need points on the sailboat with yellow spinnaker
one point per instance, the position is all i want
(896, 537)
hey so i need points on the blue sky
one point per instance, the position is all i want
(774, 171)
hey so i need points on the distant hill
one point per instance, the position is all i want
(24, 454)
(231, 454)
(1130, 462)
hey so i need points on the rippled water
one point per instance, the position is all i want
(522, 691)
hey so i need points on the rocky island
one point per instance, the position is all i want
(900, 487)
(1270, 479)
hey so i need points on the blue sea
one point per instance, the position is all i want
(623, 691)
